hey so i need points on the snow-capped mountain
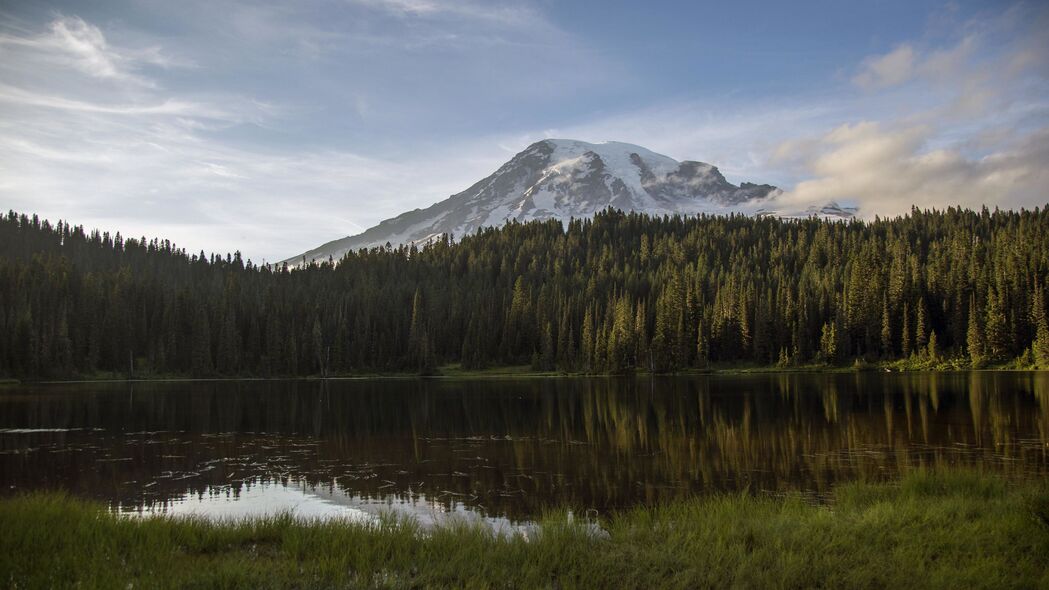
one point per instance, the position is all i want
(831, 210)
(564, 179)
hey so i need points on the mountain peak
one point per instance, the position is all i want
(563, 179)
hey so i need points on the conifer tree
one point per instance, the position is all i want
(829, 342)
(1040, 346)
(420, 349)
(702, 348)
(640, 336)
(621, 337)
(995, 333)
(905, 331)
(886, 329)
(588, 341)
(974, 336)
(319, 352)
(921, 335)
(201, 342)
(229, 349)
(564, 341)
(932, 351)
(547, 352)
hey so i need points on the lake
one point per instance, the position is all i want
(503, 450)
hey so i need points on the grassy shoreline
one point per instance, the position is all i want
(930, 530)
(525, 371)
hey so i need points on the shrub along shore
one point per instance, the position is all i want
(455, 371)
(928, 530)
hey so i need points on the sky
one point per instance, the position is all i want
(269, 128)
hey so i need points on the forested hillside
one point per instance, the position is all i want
(619, 292)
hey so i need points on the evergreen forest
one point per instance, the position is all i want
(617, 293)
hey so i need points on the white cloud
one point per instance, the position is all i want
(908, 63)
(493, 12)
(887, 171)
(71, 42)
(891, 69)
(18, 96)
(131, 156)
(86, 45)
(968, 125)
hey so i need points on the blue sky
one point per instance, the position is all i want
(271, 127)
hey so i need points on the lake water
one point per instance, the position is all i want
(502, 450)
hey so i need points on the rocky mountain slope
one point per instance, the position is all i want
(564, 179)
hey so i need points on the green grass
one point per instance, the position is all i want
(930, 530)
(456, 371)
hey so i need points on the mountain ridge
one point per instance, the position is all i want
(565, 179)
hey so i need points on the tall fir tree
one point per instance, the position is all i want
(1040, 346)
(975, 343)
(995, 328)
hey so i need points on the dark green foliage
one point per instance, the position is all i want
(974, 337)
(613, 294)
(1040, 348)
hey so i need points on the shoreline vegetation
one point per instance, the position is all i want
(456, 371)
(938, 529)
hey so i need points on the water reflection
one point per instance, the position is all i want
(509, 448)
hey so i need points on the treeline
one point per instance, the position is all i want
(612, 294)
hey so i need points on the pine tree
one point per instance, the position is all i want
(548, 358)
(905, 331)
(201, 364)
(974, 336)
(932, 351)
(668, 349)
(922, 331)
(564, 341)
(640, 335)
(702, 348)
(588, 340)
(1040, 346)
(681, 343)
(994, 327)
(228, 346)
(829, 342)
(601, 348)
(621, 337)
(886, 329)
(420, 349)
(319, 352)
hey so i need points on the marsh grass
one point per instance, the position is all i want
(929, 530)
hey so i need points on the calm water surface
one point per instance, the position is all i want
(502, 450)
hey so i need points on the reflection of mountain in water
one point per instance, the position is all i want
(512, 447)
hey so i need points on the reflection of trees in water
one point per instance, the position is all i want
(513, 446)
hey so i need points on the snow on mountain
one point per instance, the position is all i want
(831, 210)
(564, 179)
